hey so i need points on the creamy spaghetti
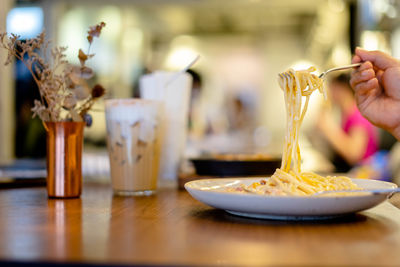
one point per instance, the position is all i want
(289, 180)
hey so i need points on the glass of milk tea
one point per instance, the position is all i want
(133, 142)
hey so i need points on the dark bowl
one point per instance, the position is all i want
(223, 168)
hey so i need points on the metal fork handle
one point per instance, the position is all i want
(372, 191)
(340, 68)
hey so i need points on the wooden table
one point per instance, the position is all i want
(171, 228)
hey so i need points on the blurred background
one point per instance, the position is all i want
(237, 105)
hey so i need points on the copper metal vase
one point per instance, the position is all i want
(64, 159)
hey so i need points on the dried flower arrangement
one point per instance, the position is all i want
(64, 92)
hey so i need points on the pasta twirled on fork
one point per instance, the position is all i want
(289, 180)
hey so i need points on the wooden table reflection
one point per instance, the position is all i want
(171, 228)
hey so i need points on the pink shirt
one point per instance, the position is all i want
(356, 119)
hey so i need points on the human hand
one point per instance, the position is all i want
(376, 84)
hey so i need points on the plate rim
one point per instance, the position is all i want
(291, 207)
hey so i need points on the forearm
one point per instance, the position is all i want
(350, 147)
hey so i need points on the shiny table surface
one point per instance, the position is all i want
(171, 228)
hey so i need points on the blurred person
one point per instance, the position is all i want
(196, 122)
(356, 139)
(203, 120)
(206, 125)
(241, 111)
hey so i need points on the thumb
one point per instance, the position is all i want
(378, 58)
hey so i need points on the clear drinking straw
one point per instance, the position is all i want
(173, 78)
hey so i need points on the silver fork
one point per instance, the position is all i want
(339, 68)
(284, 75)
(287, 75)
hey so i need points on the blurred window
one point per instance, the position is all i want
(25, 21)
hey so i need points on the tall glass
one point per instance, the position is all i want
(133, 141)
(173, 90)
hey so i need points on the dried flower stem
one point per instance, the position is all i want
(60, 90)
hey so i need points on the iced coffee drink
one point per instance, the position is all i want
(133, 141)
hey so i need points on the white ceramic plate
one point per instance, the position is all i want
(210, 192)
